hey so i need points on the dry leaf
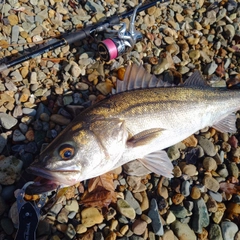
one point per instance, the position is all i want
(100, 192)
(230, 188)
(105, 181)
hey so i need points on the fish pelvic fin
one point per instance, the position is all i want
(137, 77)
(227, 124)
(159, 163)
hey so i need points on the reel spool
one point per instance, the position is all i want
(124, 42)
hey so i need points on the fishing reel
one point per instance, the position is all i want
(124, 41)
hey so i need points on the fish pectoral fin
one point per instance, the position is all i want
(145, 137)
(227, 124)
(159, 163)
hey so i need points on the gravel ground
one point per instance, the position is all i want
(39, 98)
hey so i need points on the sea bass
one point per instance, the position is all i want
(137, 122)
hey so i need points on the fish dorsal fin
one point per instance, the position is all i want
(136, 77)
(196, 79)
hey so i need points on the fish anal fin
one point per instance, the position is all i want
(159, 163)
(196, 79)
(227, 124)
(145, 137)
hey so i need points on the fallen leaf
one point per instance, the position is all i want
(105, 181)
(230, 188)
(100, 192)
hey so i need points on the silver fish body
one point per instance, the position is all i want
(135, 124)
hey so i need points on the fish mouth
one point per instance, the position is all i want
(42, 185)
(49, 180)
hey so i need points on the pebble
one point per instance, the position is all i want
(81, 86)
(80, 228)
(3, 205)
(135, 183)
(178, 198)
(200, 218)
(229, 229)
(104, 87)
(70, 231)
(18, 136)
(7, 226)
(211, 183)
(179, 211)
(177, 172)
(59, 119)
(44, 228)
(10, 168)
(195, 193)
(183, 231)
(223, 172)
(170, 218)
(233, 170)
(133, 202)
(139, 226)
(63, 216)
(7, 121)
(209, 164)
(155, 217)
(229, 31)
(3, 141)
(72, 206)
(173, 153)
(145, 201)
(237, 236)
(189, 169)
(13, 19)
(216, 196)
(210, 68)
(91, 216)
(146, 218)
(207, 145)
(185, 188)
(125, 209)
(8, 192)
(217, 216)
(168, 235)
(29, 111)
(215, 232)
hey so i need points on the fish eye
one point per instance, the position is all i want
(66, 151)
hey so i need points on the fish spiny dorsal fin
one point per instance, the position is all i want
(136, 77)
(196, 79)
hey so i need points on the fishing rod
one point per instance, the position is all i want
(108, 49)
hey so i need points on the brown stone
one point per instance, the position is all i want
(139, 226)
(195, 193)
(177, 198)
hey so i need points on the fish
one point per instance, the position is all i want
(141, 119)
